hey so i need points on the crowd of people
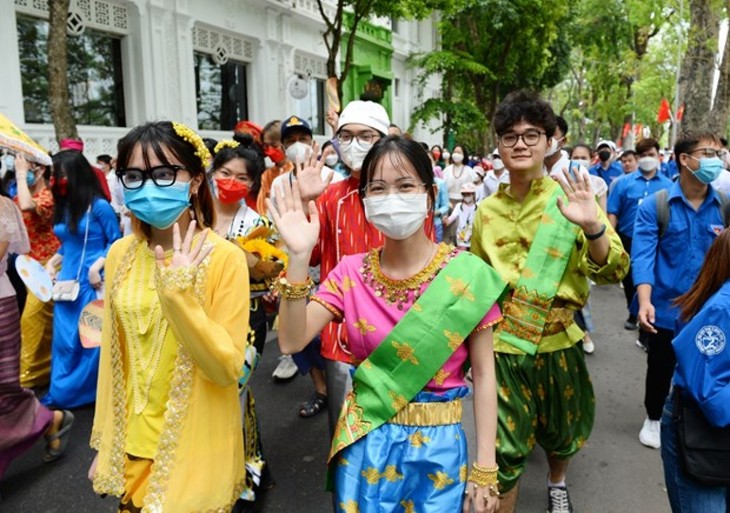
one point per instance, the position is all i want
(401, 278)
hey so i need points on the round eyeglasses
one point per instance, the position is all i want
(364, 138)
(161, 176)
(529, 137)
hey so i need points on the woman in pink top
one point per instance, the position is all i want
(414, 312)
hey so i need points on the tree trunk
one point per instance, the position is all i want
(720, 114)
(698, 67)
(58, 96)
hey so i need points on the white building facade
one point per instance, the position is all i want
(204, 63)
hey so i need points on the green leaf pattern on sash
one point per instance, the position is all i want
(526, 312)
(417, 347)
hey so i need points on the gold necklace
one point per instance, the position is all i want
(399, 292)
(153, 327)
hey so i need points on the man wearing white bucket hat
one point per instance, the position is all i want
(343, 227)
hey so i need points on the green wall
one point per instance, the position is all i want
(371, 69)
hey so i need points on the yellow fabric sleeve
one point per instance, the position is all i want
(104, 389)
(213, 334)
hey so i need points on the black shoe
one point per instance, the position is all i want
(558, 500)
(631, 325)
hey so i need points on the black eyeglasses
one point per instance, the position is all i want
(529, 137)
(710, 152)
(161, 176)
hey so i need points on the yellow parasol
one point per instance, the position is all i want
(15, 139)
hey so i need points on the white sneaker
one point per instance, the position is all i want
(588, 346)
(286, 369)
(650, 434)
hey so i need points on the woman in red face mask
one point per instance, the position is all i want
(235, 179)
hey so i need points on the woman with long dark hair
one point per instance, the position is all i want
(236, 171)
(167, 425)
(85, 223)
(701, 378)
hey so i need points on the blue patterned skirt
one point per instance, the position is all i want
(404, 469)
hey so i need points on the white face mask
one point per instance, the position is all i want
(457, 158)
(446, 155)
(300, 150)
(396, 217)
(468, 199)
(554, 146)
(331, 160)
(648, 164)
(354, 153)
(582, 162)
(498, 165)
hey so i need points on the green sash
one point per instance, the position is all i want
(418, 346)
(526, 312)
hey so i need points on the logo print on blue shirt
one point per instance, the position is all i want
(710, 340)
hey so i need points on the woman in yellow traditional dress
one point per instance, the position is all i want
(167, 423)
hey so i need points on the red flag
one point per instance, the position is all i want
(627, 130)
(680, 112)
(637, 129)
(665, 112)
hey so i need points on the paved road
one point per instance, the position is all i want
(613, 472)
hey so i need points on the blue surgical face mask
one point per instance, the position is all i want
(158, 206)
(710, 169)
(30, 178)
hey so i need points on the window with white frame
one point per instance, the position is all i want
(221, 82)
(312, 106)
(221, 93)
(96, 78)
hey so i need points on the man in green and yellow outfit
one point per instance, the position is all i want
(546, 238)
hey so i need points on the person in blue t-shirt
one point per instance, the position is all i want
(665, 265)
(702, 376)
(624, 199)
(607, 167)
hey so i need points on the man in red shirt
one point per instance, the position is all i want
(343, 227)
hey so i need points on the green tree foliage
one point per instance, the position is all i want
(340, 28)
(93, 75)
(622, 64)
(602, 63)
(699, 66)
(490, 48)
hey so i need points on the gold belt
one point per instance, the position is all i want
(429, 414)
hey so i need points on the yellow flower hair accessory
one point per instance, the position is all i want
(188, 135)
(225, 143)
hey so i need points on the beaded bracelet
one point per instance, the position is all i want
(484, 476)
(293, 291)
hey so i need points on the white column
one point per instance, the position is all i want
(11, 89)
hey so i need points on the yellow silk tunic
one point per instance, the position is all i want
(502, 235)
(196, 438)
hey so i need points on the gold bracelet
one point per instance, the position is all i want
(293, 291)
(484, 476)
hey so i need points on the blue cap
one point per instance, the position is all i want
(294, 123)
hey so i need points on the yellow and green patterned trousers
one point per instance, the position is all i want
(546, 399)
